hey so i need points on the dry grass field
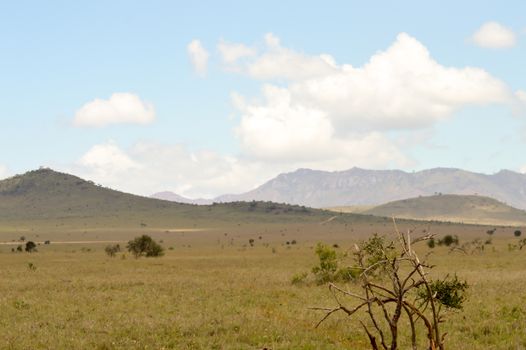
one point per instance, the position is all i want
(212, 290)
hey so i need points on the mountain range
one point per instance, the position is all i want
(356, 186)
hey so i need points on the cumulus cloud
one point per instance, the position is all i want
(280, 131)
(494, 35)
(120, 108)
(278, 62)
(327, 109)
(198, 56)
(233, 52)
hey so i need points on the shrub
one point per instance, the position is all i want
(325, 271)
(112, 249)
(299, 278)
(19, 249)
(517, 233)
(328, 269)
(431, 243)
(448, 292)
(144, 245)
(448, 240)
(31, 247)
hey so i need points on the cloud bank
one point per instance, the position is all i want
(311, 112)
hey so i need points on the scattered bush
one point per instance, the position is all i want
(517, 233)
(31, 247)
(251, 242)
(431, 243)
(112, 249)
(144, 245)
(299, 278)
(328, 269)
(448, 240)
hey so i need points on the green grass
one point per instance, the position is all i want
(207, 294)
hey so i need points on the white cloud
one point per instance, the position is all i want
(402, 87)
(280, 131)
(494, 35)
(149, 167)
(120, 108)
(521, 95)
(282, 63)
(198, 56)
(4, 172)
(233, 52)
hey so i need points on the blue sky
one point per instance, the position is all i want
(276, 103)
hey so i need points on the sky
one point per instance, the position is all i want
(205, 98)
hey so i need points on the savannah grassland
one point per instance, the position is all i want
(212, 290)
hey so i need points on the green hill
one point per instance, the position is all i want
(47, 197)
(455, 208)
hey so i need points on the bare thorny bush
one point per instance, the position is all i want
(395, 285)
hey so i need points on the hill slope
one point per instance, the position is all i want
(456, 208)
(321, 189)
(49, 196)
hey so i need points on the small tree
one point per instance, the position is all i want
(144, 245)
(395, 286)
(448, 240)
(112, 249)
(31, 247)
(517, 233)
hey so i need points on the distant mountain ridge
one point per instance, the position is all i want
(356, 186)
(174, 197)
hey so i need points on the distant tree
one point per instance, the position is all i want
(431, 243)
(112, 249)
(22, 238)
(448, 240)
(517, 233)
(19, 248)
(31, 247)
(492, 231)
(144, 245)
(251, 242)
